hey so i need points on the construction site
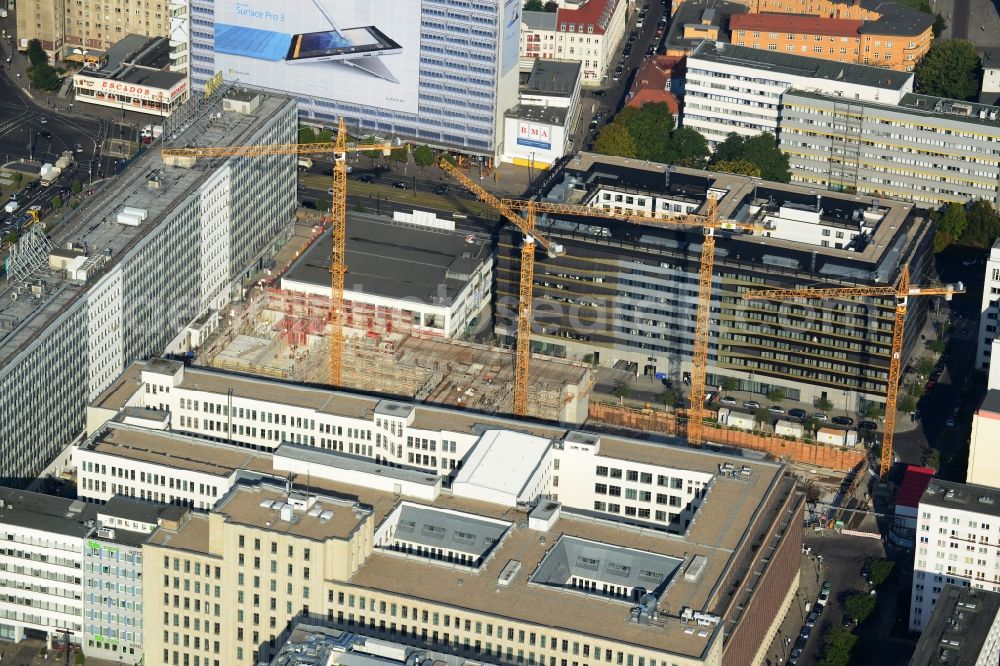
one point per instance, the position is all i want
(285, 334)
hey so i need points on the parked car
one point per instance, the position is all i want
(950, 422)
(811, 620)
(843, 421)
(400, 185)
(366, 178)
(728, 401)
(43, 119)
(794, 657)
(600, 93)
(868, 425)
(804, 633)
(797, 413)
(820, 416)
(30, 185)
(822, 600)
(45, 134)
(826, 587)
(774, 409)
(593, 125)
(78, 148)
(441, 189)
(751, 404)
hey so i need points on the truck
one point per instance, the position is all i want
(150, 133)
(49, 173)
(305, 164)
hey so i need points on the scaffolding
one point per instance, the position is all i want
(28, 258)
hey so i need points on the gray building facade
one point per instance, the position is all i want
(64, 336)
(927, 150)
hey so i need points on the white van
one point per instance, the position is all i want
(305, 164)
(10, 207)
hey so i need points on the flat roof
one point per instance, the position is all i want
(719, 13)
(46, 513)
(502, 462)
(539, 20)
(991, 403)
(921, 107)
(896, 19)
(552, 77)
(347, 461)
(962, 497)
(553, 115)
(396, 260)
(800, 66)
(958, 628)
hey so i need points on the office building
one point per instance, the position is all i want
(989, 311)
(128, 271)
(590, 32)
(136, 76)
(736, 89)
(539, 130)
(928, 150)
(964, 630)
(983, 467)
(63, 26)
(424, 277)
(694, 21)
(990, 88)
(448, 77)
(958, 531)
(893, 44)
(72, 571)
(626, 292)
(644, 540)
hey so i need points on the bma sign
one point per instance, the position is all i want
(534, 136)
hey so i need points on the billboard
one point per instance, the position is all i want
(534, 135)
(510, 47)
(354, 51)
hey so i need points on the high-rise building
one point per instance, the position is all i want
(989, 311)
(627, 291)
(737, 89)
(61, 25)
(958, 531)
(928, 150)
(964, 630)
(127, 272)
(428, 70)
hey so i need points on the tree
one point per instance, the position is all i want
(838, 647)
(75, 187)
(776, 395)
(18, 177)
(621, 390)
(614, 139)
(551, 6)
(859, 606)
(823, 404)
(873, 410)
(760, 415)
(906, 404)
(669, 398)
(940, 25)
(951, 68)
(360, 208)
(761, 151)
(878, 571)
(925, 366)
(534, 6)
(57, 202)
(36, 54)
(689, 148)
(323, 204)
(43, 76)
(740, 167)
(324, 136)
(951, 223)
(730, 384)
(400, 154)
(307, 134)
(982, 225)
(423, 156)
(933, 459)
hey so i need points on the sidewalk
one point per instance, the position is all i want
(788, 632)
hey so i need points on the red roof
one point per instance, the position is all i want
(595, 13)
(797, 24)
(652, 96)
(652, 83)
(915, 480)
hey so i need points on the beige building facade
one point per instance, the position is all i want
(63, 25)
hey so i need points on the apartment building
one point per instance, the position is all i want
(390, 552)
(129, 271)
(989, 310)
(927, 150)
(61, 25)
(983, 468)
(589, 32)
(963, 629)
(697, 20)
(627, 292)
(958, 530)
(72, 571)
(897, 44)
(736, 89)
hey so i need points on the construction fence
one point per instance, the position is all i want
(655, 420)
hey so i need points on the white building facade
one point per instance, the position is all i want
(989, 311)
(736, 89)
(957, 539)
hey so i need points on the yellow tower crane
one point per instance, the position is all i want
(901, 292)
(339, 148)
(522, 353)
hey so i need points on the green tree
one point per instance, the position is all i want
(761, 415)
(879, 570)
(324, 136)
(688, 148)
(621, 390)
(838, 647)
(940, 25)
(906, 404)
(44, 77)
(551, 6)
(873, 410)
(400, 154)
(933, 459)
(650, 127)
(925, 365)
(740, 167)
(668, 398)
(57, 202)
(423, 156)
(983, 225)
(79, 659)
(307, 134)
(534, 6)
(36, 54)
(776, 395)
(859, 606)
(323, 204)
(18, 177)
(761, 151)
(951, 223)
(615, 139)
(730, 384)
(360, 208)
(372, 155)
(75, 187)
(951, 68)
(823, 404)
